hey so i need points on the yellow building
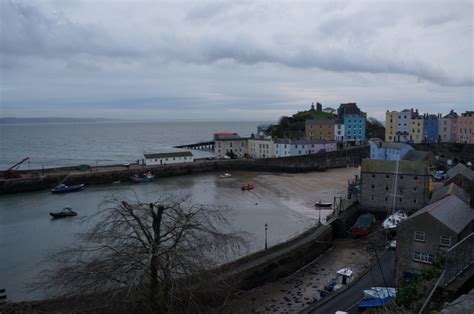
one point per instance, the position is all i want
(259, 147)
(416, 130)
(391, 123)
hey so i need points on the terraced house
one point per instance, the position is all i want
(466, 128)
(319, 129)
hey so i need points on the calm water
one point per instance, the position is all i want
(67, 144)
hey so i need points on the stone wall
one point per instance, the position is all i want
(453, 151)
(45, 179)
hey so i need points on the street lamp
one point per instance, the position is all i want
(266, 228)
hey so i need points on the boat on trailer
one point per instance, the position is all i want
(392, 221)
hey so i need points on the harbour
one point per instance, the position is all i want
(284, 201)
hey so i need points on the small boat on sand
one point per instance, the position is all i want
(63, 188)
(323, 204)
(225, 175)
(380, 292)
(66, 212)
(363, 225)
(247, 187)
(147, 177)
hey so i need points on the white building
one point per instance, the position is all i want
(403, 126)
(339, 131)
(229, 144)
(168, 158)
(260, 147)
(281, 148)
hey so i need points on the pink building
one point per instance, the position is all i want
(465, 128)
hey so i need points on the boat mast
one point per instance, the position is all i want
(395, 184)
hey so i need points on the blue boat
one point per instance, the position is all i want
(63, 188)
(371, 303)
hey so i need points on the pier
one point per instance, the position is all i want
(208, 146)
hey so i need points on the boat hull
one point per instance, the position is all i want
(63, 215)
(67, 189)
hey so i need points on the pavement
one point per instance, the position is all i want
(347, 300)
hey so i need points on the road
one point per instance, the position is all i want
(347, 300)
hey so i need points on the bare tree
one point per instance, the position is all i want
(158, 256)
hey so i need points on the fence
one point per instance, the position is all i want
(459, 258)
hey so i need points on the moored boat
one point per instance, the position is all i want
(66, 212)
(225, 175)
(147, 177)
(63, 188)
(323, 204)
(247, 187)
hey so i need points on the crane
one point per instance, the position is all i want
(11, 172)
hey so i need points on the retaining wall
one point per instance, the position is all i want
(44, 179)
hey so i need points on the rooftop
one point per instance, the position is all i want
(451, 211)
(462, 170)
(418, 155)
(320, 121)
(451, 189)
(167, 155)
(390, 166)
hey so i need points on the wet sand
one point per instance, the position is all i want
(283, 201)
(293, 293)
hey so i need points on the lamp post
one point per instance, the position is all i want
(266, 228)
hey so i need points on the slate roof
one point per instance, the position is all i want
(461, 169)
(394, 145)
(451, 189)
(390, 166)
(418, 155)
(167, 155)
(451, 211)
(320, 121)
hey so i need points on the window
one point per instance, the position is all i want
(445, 241)
(414, 188)
(423, 257)
(414, 201)
(416, 178)
(386, 199)
(386, 188)
(373, 186)
(372, 198)
(419, 236)
(387, 176)
(401, 177)
(373, 176)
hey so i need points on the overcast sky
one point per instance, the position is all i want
(232, 60)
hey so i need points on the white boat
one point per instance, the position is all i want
(392, 221)
(380, 292)
(225, 175)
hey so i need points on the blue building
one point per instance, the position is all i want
(388, 150)
(354, 123)
(430, 128)
(354, 129)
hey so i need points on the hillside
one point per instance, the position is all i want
(293, 127)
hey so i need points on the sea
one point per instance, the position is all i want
(57, 144)
(285, 202)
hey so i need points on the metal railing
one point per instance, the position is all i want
(459, 258)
